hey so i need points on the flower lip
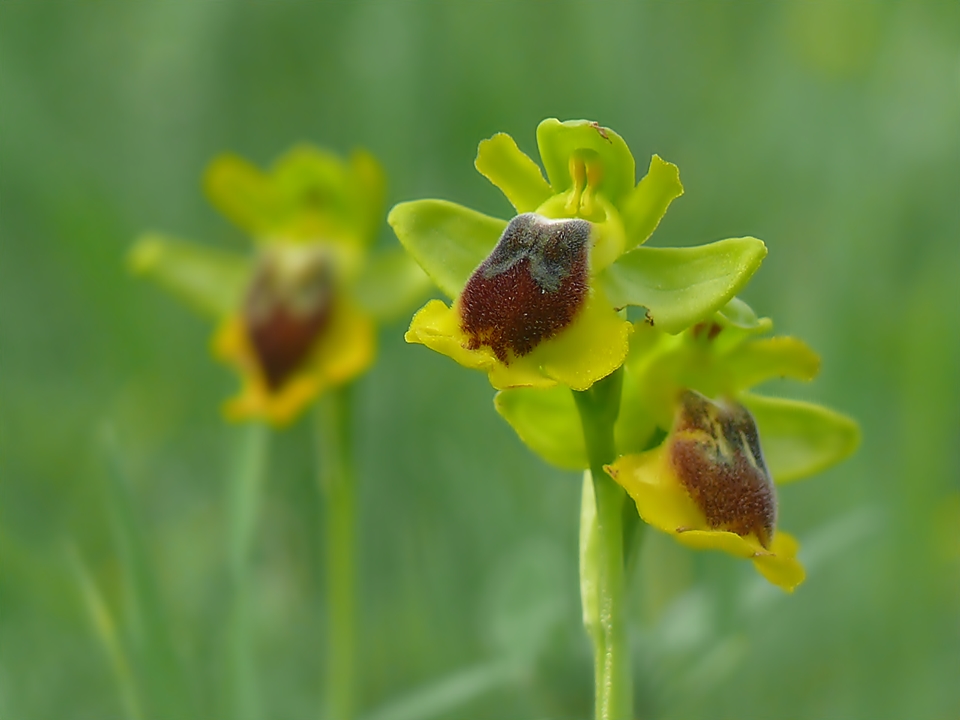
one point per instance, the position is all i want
(287, 307)
(530, 287)
(715, 452)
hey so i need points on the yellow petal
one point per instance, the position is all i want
(728, 542)
(664, 503)
(780, 566)
(344, 350)
(661, 499)
(593, 346)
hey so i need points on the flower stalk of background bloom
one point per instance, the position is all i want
(296, 320)
(538, 304)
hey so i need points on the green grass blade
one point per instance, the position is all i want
(147, 623)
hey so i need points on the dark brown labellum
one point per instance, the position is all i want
(287, 307)
(722, 467)
(530, 287)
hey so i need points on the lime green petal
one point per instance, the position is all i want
(243, 194)
(370, 192)
(681, 286)
(559, 141)
(315, 191)
(592, 347)
(547, 422)
(647, 203)
(305, 168)
(800, 438)
(211, 281)
(738, 314)
(448, 240)
(518, 177)
(757, 361)
(390, 284)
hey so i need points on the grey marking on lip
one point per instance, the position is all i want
(551, 246)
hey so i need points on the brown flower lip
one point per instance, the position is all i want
(718, 459)
(530, 288)
(287, 307)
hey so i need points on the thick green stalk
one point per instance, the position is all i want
(243, 502)
(601, 553)
(339, 523)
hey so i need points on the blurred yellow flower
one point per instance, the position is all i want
(298, 317)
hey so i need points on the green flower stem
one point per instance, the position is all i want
(243, 502)
(338, 487)
(601, 557)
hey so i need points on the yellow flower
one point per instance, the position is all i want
(708, 485)
(298, 317)
(664, 411)
(537, 300)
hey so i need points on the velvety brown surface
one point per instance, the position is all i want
(724, 472)
(530, 287)
(283, 318)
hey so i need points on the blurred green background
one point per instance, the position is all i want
(829, 129)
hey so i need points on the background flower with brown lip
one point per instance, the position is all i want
(299, 316)
(297, 322)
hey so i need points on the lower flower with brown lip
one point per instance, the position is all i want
(708, 485)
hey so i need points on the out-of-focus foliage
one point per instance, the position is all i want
(829, 129)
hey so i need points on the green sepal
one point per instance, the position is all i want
(448, 240)
(760, 360)
(638, 418)
(738, 314)
(370, 184)
(307, 191)
(243, 194)
(559, 141)
(800, 438)
(390, 285)
(211, 281)
(645, 205)
(547, 422)
(513, 172)
(311, 180)
(681, 286)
